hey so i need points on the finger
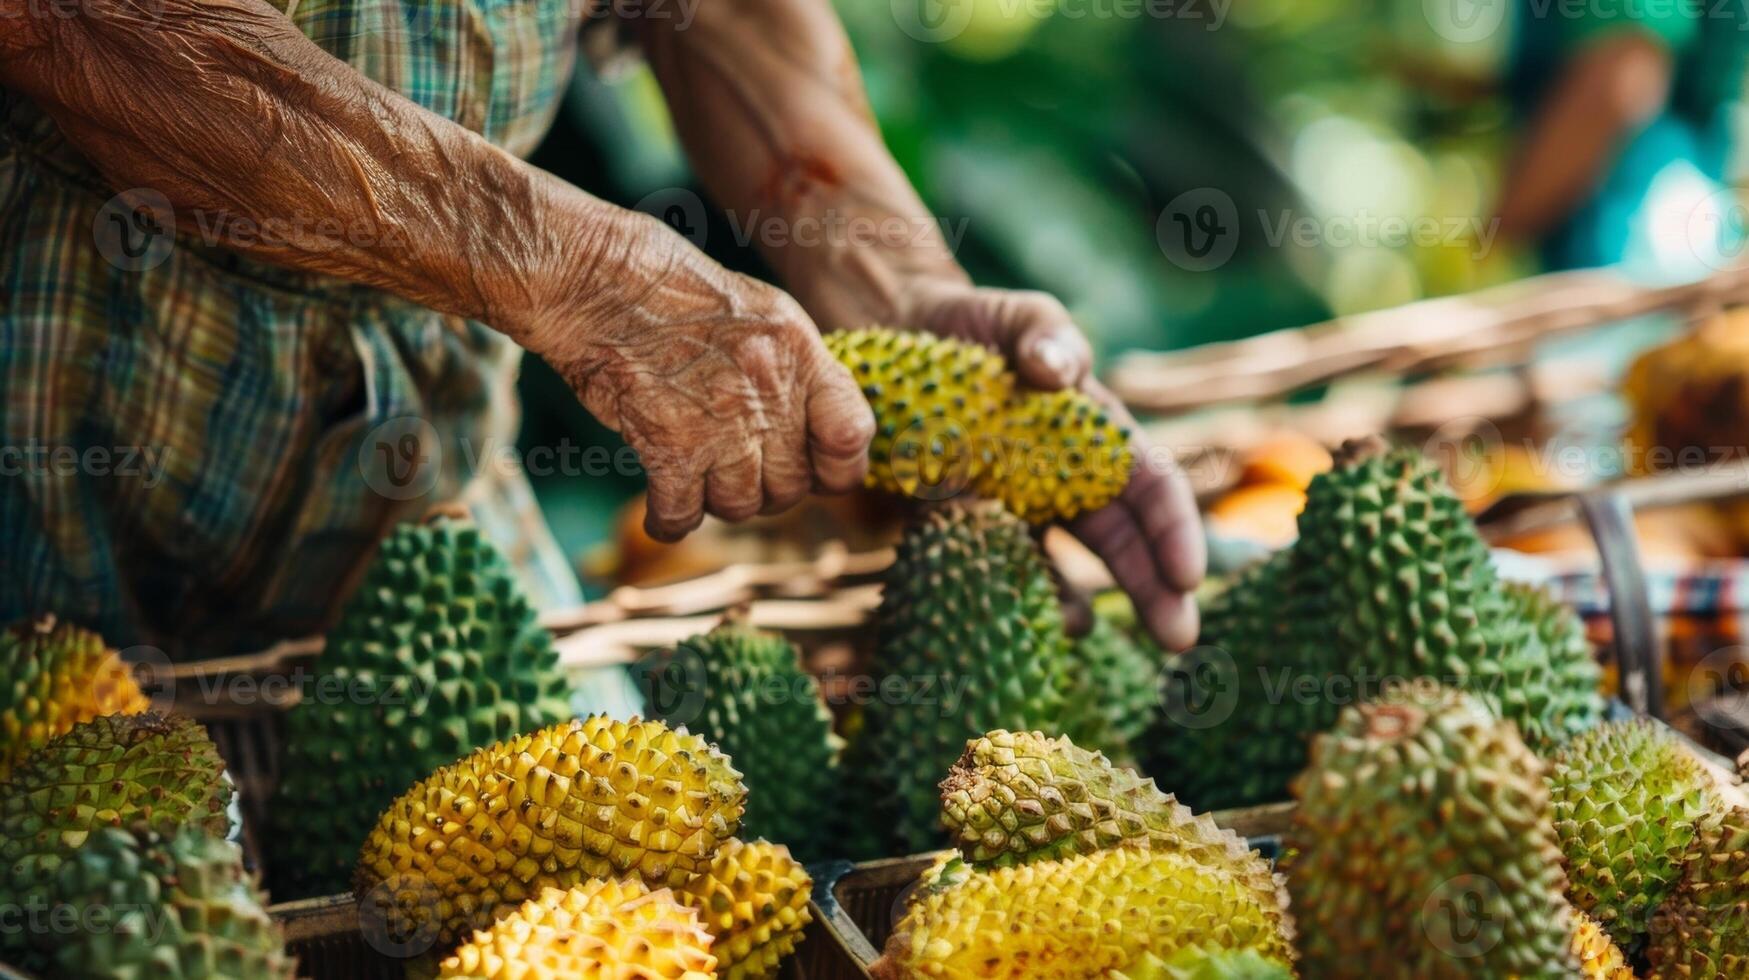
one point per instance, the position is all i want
(1168, 613)
(676, 504)
(1050, 352)
(840, 427)
(1077, 605)
(786, 477)
(732, 488)
(1159, 497)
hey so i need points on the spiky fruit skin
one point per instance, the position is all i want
(1076, 918)
(754, 902)
(1227, 734)
(178, 906)
(1057, 454)
(1198, 963)
(935, 402)
(746, 691)
(969, 624)
(1413, 593)
(1388, 580)
(111, 771)
(436, 654)
(1599, 957)
(52, 677)
(1018, 797)
(596, 798)
(1701, 931)
(601, 929)
(1114, 680)
(1425, 847)
(1549, 681)
(1629, 799)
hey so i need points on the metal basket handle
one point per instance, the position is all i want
(1610, 518)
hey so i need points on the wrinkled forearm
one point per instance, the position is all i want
(263, 142)
(769, 103)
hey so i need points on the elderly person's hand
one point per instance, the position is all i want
(1151, 536)
(769, 103)
(721, 384)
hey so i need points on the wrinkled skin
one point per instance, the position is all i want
(719, 381)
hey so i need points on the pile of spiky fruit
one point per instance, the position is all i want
(502, 837)
(114, 860)
(1069, 867)
(1430, 841)
(950, 416)
(1388, 580)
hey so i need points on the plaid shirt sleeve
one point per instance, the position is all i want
(190, 441)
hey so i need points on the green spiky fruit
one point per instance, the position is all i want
(596, 798)
(436, 654)
(1114, 680)
(1701, 932)
(746, 691)
(111, 771)
(1057, 454)
(1629, 799)
(754, 902)
(1388, 580)
(1018, 797)
(1412, 592)
(601, 929)
(1233, 725)
(179, 906)
(54, 676)
(1065, 919)
(1200, 963)
(1549, 678)
(935, 402)
(969, 638)
(1424, 847)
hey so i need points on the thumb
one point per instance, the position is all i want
(1050, 353)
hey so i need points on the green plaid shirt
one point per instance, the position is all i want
(186, 443)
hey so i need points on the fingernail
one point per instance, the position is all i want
(1053, 356)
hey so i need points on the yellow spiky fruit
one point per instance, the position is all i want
(935, 401)
(1058, 454)
(1599, 957)
(754, 900)
(1077, 918)
(54, 676)
(602, 929)
(596, 798)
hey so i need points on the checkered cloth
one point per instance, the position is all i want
(185, 450)
(1701, 610)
